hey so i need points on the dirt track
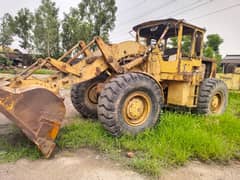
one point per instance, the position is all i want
(199, 171)
(82, 165)
(87, 164)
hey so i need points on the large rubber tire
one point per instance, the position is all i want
(229, 68)
(213, 97)
(81, 100)
(118, 97)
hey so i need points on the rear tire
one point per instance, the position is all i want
(229, 68)
(85, 98)
(130, 103)
(213, 97)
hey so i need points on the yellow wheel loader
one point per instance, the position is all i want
(124, 85)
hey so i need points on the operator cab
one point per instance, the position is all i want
(176, 38)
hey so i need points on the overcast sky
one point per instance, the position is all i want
(217, 16)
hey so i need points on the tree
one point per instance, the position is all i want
(24, 24)
(208, 52)
(91, 18)
(211, 48)
(6, 30)
(214, 41)
(74, 29)
(186, 43)
(4, 62)
(100, 14)
(46, 29)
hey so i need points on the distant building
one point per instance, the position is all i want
(230, 63)
(17, 57)
(6, 49)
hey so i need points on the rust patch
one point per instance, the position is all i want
(38, 113)
(90, 60)
(98, 71)
(110, 59)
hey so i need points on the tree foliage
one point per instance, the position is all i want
(100, 14)
(24, 24)
(46, 29)
(4, 61)
(91, 18)
(211, 48)
(6, 30)
(186, 43)
(40, 31)
(214, 41)
(74, 30)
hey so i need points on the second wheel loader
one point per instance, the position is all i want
(124, 85)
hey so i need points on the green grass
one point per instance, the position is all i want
(9, 71)
(15, 145)
(44, 71)
(38, 71)
(178, 138)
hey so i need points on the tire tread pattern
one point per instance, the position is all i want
(78, 99)
(109, 96)
(206, 89)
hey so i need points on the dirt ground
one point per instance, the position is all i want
(90, 165)
(82, 165)
(200, 171)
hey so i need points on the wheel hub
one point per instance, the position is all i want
(136, 108)
(216, 103)
(92, 94)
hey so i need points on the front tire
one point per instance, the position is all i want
(213, 97)
(85, 98)
(130, 103)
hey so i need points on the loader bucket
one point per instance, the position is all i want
(37, 112)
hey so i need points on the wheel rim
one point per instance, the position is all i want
(92, 94)
(216, 103)
(136, 108)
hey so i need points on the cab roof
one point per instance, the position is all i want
(165, 22)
